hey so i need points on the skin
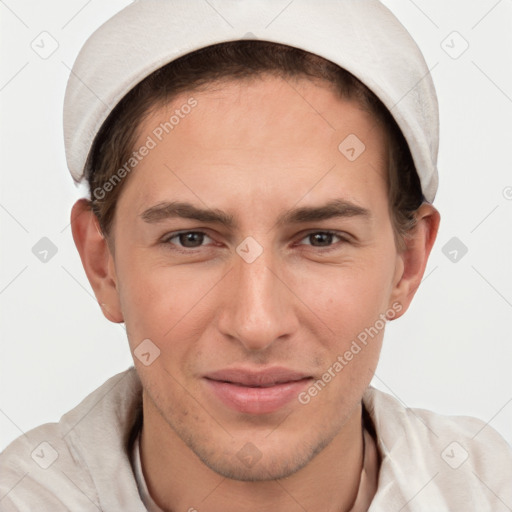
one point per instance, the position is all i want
(255, 150)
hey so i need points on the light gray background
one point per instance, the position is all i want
(452, 351)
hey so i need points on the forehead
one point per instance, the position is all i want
(272, 136)
(275, 103)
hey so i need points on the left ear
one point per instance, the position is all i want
(414, 257)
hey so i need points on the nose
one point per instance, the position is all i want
(259, 304)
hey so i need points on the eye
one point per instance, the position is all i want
(323, 238)
(187, 239)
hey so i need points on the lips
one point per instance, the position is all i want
(256, 392)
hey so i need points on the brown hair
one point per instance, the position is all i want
(244, 59)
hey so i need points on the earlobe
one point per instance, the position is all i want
(97, 259)
(414, 258)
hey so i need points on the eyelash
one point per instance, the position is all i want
(167, 240)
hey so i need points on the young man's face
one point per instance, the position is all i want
(221, 313)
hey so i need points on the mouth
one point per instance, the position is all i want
(256, 392)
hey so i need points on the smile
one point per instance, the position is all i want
(256, 392)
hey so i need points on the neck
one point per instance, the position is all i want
(178, 480)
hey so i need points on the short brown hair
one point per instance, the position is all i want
(234, 60)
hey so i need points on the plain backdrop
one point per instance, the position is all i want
(451, 353)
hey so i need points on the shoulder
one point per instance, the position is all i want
(41, 467)
(451, 462)
(56, 466)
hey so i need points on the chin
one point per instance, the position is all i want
(268, 468)
(271, 461)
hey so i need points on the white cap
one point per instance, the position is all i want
(361, 36)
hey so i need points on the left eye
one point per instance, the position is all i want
(321, 238)
(189, 239)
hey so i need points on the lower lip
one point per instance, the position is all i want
(257, 400)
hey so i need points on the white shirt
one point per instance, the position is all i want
(429, 462)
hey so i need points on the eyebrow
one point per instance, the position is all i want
(178, 209)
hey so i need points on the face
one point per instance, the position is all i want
(266, 293)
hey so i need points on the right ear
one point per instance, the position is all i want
(97, 259)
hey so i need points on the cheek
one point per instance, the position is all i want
(352, 305)
(165, 303)
(348, 298)
(138, 296)
(148, 297)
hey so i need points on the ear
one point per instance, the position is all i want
(97, 259)
(413, 259)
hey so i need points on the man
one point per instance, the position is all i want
(260, 207)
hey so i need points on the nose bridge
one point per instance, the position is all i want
(259, 310)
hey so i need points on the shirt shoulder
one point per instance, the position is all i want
(42, 467)
(436, 462)
(81, 462)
